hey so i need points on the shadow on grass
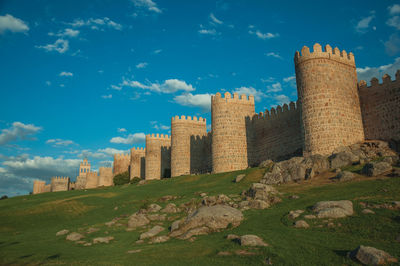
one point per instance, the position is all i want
(53, 257)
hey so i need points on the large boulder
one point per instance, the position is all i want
(74, 236)
(208, 219)
(333, 209)
(170, 208)
(260, 191)
(137, 220)
(152, 232)
(376, 168)
(371, 256)
(343, 158)
(154, 207)
(345, 176)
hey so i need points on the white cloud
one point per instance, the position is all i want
(157, 51)
(115, 87)
(130, 139)
(276, 87)
(367, 73)
(112, 151)
(17, 131)
(66, 74)
(48, 83)
(60, 46)
(394, 22)
(71, 33)
(208, 31)
(121, 129)
(281, 99)
(363, 24)
(215, 20)
(141, 65)
(13, 24)
(258, 95)
(168, 86)
(272, 54)
(289, 79)
(148, 4)
(197, 100)
(159, 126)
(59, 142)
(394, 9)
(109, 96)
(392, 46)
(268, 80)
(264, 36)
(96, 23)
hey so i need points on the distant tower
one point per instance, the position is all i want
(84, 167)
(158, 156)
(329, 101)
(229, 136)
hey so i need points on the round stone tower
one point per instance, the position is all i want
(184, 158)
(329, 101)
(229, 131)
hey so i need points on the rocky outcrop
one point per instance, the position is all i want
(170, 208)
(376, 168)
(152, 232)
(137, 220)
(208, 219)
(333, 209)
(301, 224)
(62, 232)
(239, 178)
(74, 236)
(344, 176)
(371, 256)
(105, 239)
(252, 241)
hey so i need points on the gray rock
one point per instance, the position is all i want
(258, 204)
(134, 251)
(301, 224)
(74, 236)
(152, 232)
(159, 239)
(62, 232)
(175, 225)
(260, 191)
(266, 163)
(154, 207)
(376, 168)
(203, 230)
(141, 182)
(252, 241)
(92, 230)
(345, 176)
(203, 194)
(343, 158)
(371, 256)
(156, 217)
(213, 217)
(105, 239)
(239, 178)
(333, 209)
(170, 208)
(137, 220)
(295, 214)
(368, 211)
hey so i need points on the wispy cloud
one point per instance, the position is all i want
(59, 142)
(18, 131)
(108, 96)
(60, 46)
(71, 33)
(276, 87)
(202, 101)
(141, 65)
(168, 86)
(96, 23)
(364, 23)
(258, 95)
(261, 35)
(394, 9)
(130, 139)
(215, 20)
(157, 51)
(208, 31)
(147, 4)
(367, 73)
(121, 129)
(66, 74)
(13, 24)
(272, 54)
(158, 126)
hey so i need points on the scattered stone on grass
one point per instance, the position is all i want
(92, 230)
(295, 214)
(242, 252)
(170, 208)
(156, 217)
(239, 178)
(301, 224)
(310, 216)
(333, 209)
(154, 207)
(294, 197)
(141, 182)
(74, 236)
(152, 232)
(376, 168)
(62, 232)
(224, 253)
(345, 176)
(134, 251)
(105, 239)
(368, 211)
(140, 241)
(258, 204)
(232, 237)
(252, 240)
(203, 194)
(159, 239)
(371, 256)
(137, 220)
(167, 198)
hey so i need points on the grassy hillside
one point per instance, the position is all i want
(28, 224)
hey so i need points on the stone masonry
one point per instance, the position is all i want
(137, 163)
(158, 156)
(121, 163)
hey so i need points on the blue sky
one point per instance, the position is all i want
(91, 78)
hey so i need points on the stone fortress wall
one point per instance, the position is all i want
(105, 177)
(59, 183)
(158, 156)
(137, 163)
(332, 110)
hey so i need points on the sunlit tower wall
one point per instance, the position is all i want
(137, 165)
(121, 163)
(329, 100)
(229, 136)
(158, 156)
(105, 176)
(184, 159)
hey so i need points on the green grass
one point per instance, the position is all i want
(28, 224)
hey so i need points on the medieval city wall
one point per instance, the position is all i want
(137, 163)
(92, 180)
(276, 134)
(187, 154)
(200, 152)
(230, 137)
(59, 184)
(105, 177)
(327, 90)
(80, 182)
(121, 163)
(158, 156)
(38, 186)
(380, 107)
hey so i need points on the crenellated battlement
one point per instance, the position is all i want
(374, 83)
(121, 156)
(138, 149)
(328, 53)
(158, 137)
(276, 112)
(243, 99)
(188, 119)
(60, 178)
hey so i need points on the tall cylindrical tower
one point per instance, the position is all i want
(136, 168)
(183, 160)
(328, 96)
(230, 140)
(158, 156)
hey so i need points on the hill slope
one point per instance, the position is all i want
(28, 224)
